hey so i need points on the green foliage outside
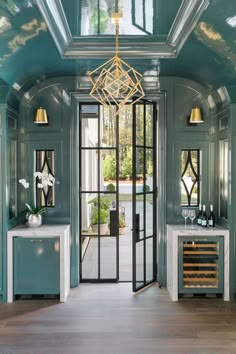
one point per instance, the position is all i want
(109, 167)
(111, 187)
(125, 121)
(149, 168)
(99, 219)
(103, 20)
(146, 188)
(104, 206)
(122, 222)
(104, 203)
(126, 167)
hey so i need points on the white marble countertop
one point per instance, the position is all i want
(44, 230)
(196, 230)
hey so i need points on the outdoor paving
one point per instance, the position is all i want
(108, 251)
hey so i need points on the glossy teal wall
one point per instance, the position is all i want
(182, 96)
(177, 97)
(5, 183)
(54, 96)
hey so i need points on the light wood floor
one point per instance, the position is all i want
(110, 319)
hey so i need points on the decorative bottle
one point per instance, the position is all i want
(199, 215)
(211, 217)
(204, 216)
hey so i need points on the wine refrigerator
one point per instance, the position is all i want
(201, 265)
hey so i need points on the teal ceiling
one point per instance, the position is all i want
(89, 17)
(28, 53)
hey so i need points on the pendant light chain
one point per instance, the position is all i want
(115, 83)
(117, 36)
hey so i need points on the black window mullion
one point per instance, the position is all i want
(144, 192)
(134, 197)
(99, 197)
(80, 187)
(117, 197)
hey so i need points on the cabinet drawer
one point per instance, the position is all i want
(36, 268)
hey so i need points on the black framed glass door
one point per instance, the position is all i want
(99, 188)
(144, 194)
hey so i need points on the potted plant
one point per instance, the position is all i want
(122, 225)
(99, 220)
(34, 213)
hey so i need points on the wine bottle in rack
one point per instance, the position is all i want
(199, 215)
(211, 217)
(204, 216)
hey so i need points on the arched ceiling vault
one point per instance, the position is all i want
(205, 53)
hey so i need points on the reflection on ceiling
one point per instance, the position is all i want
(83, 29)
(140, 17)
(28, 53)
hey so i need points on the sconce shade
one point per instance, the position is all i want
(196, 116)
(41, 116)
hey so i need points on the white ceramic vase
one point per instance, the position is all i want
(34, 220)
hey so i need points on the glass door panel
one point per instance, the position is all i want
(89, 138)
(144, 195)
(149, 259)
(149, 215)
(149, 170)
(98, 194)
(139, 274)
(108, 257)
(108, 131)
(89, 161)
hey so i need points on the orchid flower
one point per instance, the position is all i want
(43, 180)
(24, 183)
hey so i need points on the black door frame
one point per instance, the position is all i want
(115, 233)
(144, 193)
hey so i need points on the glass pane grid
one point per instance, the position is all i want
(144, 195)
(98, 194)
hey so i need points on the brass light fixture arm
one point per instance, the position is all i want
(117, 18)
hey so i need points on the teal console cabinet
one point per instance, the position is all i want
(197, 260)
(36, 265)
(38, 261)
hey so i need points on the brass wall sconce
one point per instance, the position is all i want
(41, 116)
(196, 116)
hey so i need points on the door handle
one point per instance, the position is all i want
(137, 227)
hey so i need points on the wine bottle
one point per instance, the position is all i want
(204, 216)
(211, 217)
(199, 215)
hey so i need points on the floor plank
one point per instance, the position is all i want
(110, 319)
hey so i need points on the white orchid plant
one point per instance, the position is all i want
(44, 180)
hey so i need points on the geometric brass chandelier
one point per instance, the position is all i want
(115, 83)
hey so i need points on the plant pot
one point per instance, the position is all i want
(122, 230)
(34, 220)
(103, 229)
